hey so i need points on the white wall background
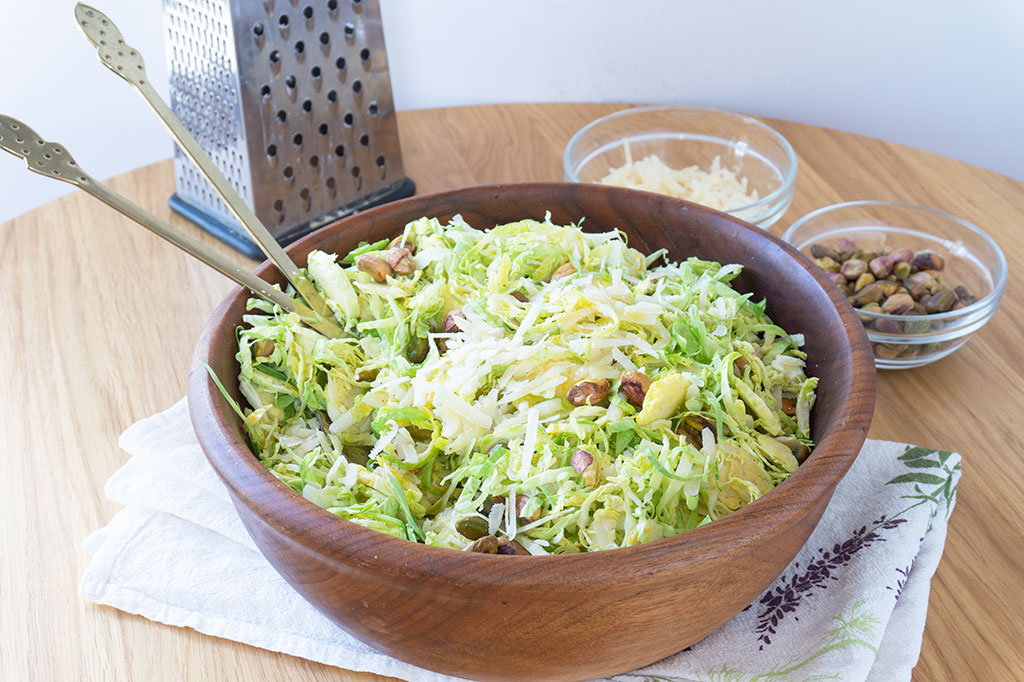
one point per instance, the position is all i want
(941, 75)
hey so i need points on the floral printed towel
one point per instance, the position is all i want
(851, 605)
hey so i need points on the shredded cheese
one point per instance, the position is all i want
(718, 188)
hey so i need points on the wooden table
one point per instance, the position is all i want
(100, 318)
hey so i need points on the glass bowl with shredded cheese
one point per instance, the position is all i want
(726, 161)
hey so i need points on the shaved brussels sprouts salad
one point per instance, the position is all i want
(528, 389)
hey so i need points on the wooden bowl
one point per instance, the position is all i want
(574, 617)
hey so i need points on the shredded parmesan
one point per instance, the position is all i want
(719, 188)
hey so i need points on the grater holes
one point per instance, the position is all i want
(304, 195)
(373, 109)
(275, 57)
(315, 72)
(282, 20)
(332, 5)
(364, 54)
(282, 115)
(339, 151)
(332, 186)
(332, 95)
(272, 150)
(297, 139)
(323, 128)
(314, 161)
(364, 140)
(300, 47)
(349, 118)
(381, 161)
(350, 29)
(290, 81)
(325, 38)
(257, 30)
(357, 86)
(340, 63)
(279, 209)
(307, 12)
(289, 172)
(307, 105)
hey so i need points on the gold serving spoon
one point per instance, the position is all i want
(127, 63)
(54, 161)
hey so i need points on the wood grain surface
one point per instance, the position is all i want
(101, 317)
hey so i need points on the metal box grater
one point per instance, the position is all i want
(292, 101)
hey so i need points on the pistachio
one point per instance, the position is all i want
(881, 266)
(400, 260)
(891, 278)
(635, 385)
(964, 295)
(846, 289)
(853, 268)
(901, 270)
(939, 302)
(563, 270)
(368, 374)
(585, 464)
(692, 427)
(520, 296)
(864, 280)
(471, 527)
(845, 244)
(588, 393)
(888, 288)
(868, 308)
(884, 250)
(920, 284)
(417, 349)
(740, 365)
(888, 326)
(918, 309)
(872, 293)
(378, 268)
(822, 251)
(836, 278)
(403, 242)
(265, 348)
(488, 544)
(886, 351)
(960, 303)
(851, 253)
(927, 260)
(451, 321)
(827, 264)
(898, 304)
(901, 256)
(506, 546)
(521, 503)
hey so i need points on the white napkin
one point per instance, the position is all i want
(851, 606)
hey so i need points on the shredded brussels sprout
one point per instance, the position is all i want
(444, 436)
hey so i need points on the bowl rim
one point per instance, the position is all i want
(316, 529)
(983, 304)
(783, 190)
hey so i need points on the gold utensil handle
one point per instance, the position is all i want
(53, 161)
(127, 63)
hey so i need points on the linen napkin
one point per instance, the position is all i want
(850, 606)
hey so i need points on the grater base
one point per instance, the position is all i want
(232, 234)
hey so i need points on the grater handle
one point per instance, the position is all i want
(127, 63)
(52, 160)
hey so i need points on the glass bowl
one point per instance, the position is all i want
(972, 260)
(685, 136)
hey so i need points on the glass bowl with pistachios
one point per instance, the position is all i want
(922, 280)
